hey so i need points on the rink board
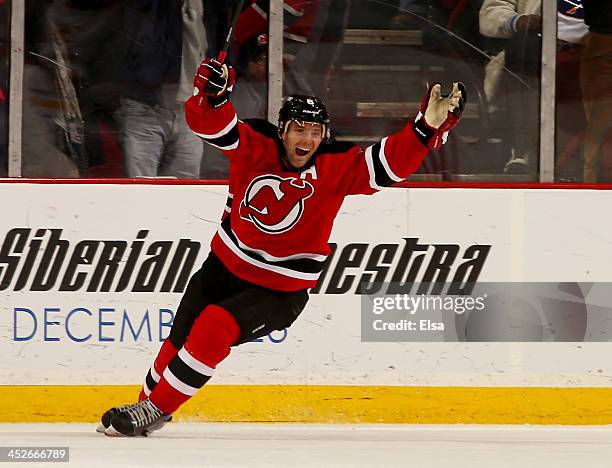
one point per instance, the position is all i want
(55, 332)
(325, 404)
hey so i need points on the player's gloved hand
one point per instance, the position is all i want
(439, 114)
(215, 81)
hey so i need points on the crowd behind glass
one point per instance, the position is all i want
(104, 81)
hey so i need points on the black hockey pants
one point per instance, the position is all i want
(257, 310)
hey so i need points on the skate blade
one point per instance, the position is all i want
(112, 432)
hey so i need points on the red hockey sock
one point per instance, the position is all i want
(209, 341)
(164, 356)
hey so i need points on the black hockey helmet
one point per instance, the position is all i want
(303, 108)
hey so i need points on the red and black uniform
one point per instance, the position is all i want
(298, 19)
(272, 243)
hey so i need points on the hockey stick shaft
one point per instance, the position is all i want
(228, 38)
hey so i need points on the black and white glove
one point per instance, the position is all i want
(439, 114)
(215, 81)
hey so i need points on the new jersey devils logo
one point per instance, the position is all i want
(275, 204)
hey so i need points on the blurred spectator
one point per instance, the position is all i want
(69, 44)
(520, 22)
(299, 17)
(313, 33)
(596, 84)
(164, 44)
(52, 141)
(92, 34)
(250, 95)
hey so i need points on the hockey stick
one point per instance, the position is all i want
(228, 38)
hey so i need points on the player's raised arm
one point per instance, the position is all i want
(396, 157)
(209, 112)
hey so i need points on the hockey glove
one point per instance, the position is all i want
(439, 114)
(215, 81)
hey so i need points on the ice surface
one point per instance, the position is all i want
(300, 445)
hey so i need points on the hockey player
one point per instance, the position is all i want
(286, 185)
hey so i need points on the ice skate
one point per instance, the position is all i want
(106, 418)
(135, 420)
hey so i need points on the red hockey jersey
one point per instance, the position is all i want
(277, 224)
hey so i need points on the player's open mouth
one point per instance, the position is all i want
(301, 151)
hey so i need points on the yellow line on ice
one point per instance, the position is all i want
(325, 404)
